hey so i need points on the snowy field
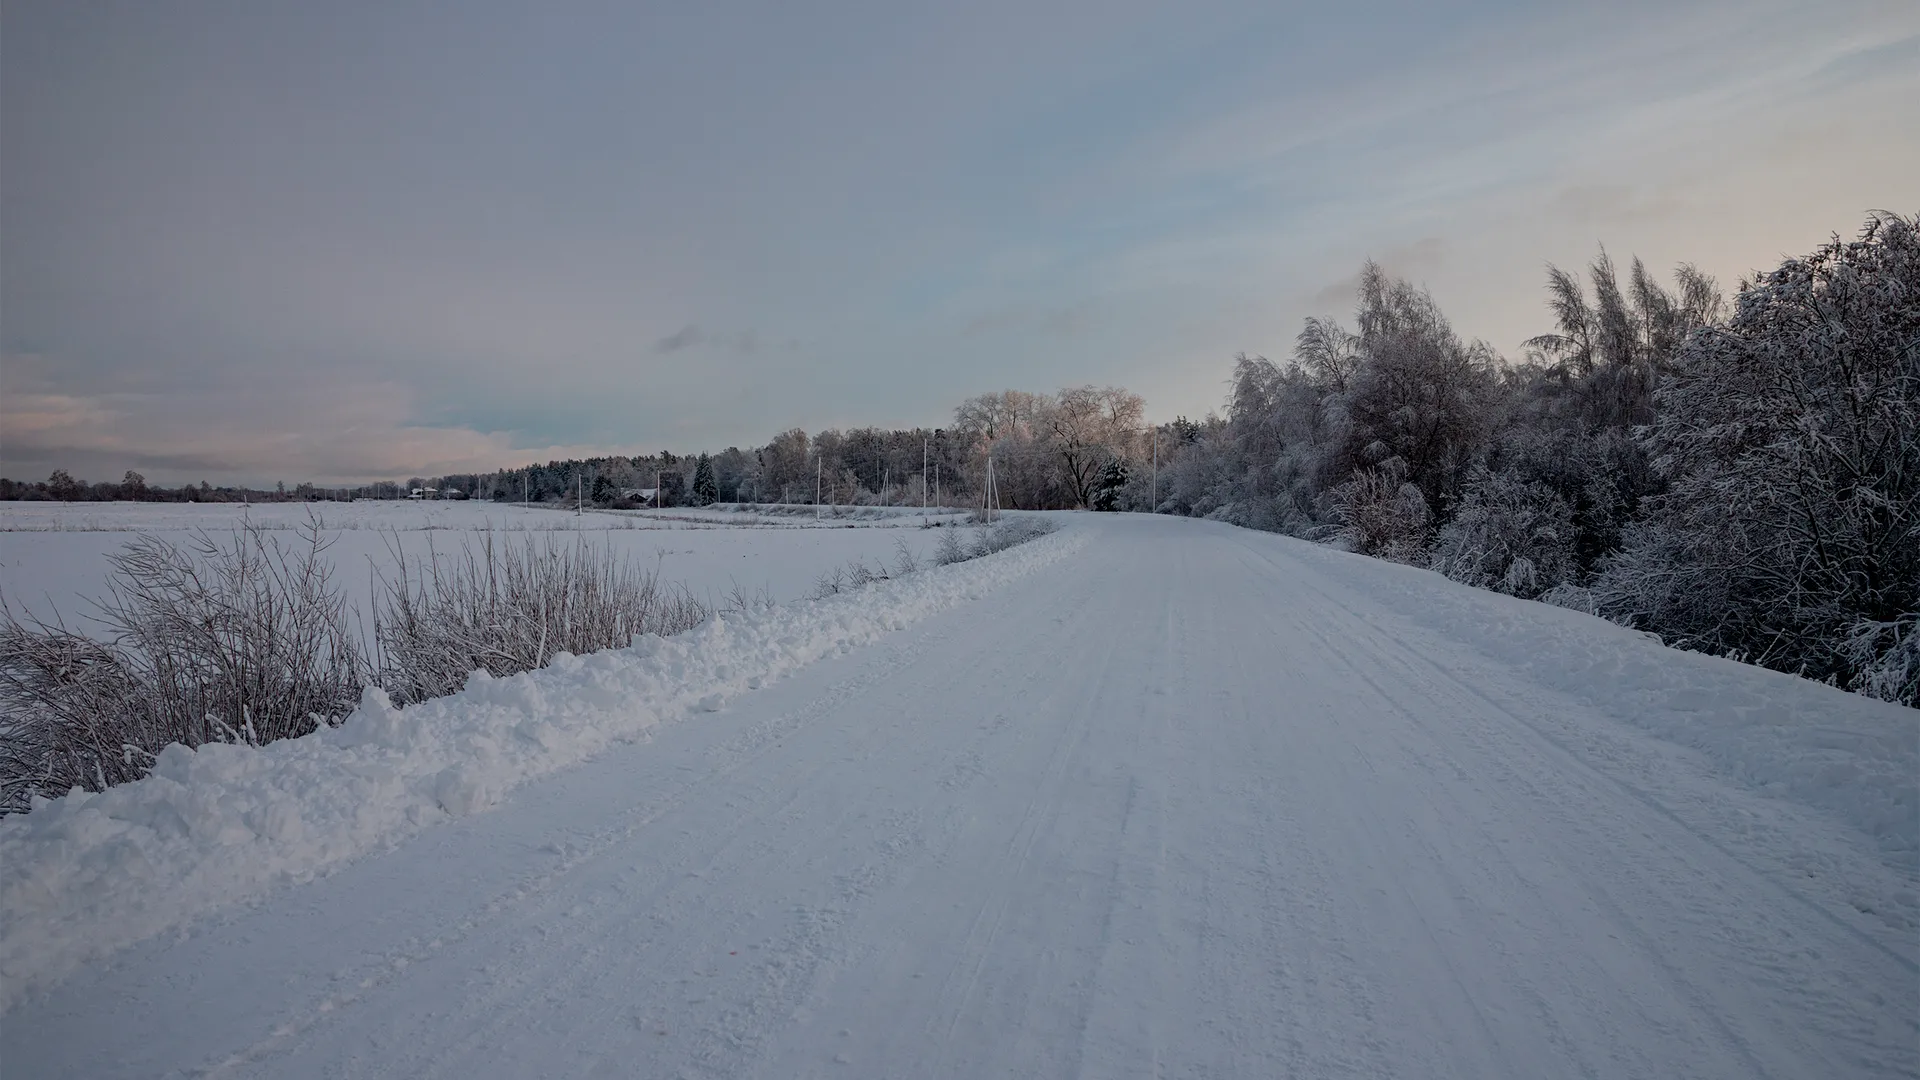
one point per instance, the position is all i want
(52, 554)
(1149, 796)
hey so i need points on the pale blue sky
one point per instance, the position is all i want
(263, 241)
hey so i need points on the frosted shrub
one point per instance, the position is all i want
(1886, 659)
(844, 578)
(1008, 532)
(1792, 439)
(1509, 535)
(508, 607)
(228, 640)
(1380, 513)
(949, 550)
(904, 560)
(831, 583)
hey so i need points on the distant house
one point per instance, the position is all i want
(639, 495)
(424, 493)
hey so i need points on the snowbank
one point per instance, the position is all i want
(1850, 756)
(90, 873)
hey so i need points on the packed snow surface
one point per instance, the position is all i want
(1146, 797)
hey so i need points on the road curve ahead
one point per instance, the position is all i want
(1194, 802)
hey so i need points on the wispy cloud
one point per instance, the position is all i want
(227, 273)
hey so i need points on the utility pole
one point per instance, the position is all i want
(923, 477)
(1153, 506)
(819, 472)
(990, 497)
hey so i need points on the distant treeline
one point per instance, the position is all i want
(133, 487)
(1050, 451)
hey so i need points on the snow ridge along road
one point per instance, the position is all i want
(1188, 801)
(90, 873)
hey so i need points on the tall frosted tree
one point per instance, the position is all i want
(1791, 436)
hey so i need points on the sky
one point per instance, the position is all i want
(248, 242)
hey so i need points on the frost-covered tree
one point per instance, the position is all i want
(1791, 436)
(1011, 425)
(1089, 426)
(1419, 394)
(1329, 351)
(1608, 355)
(786, 472)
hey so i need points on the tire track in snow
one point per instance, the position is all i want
(520, 900)
(532, 900)
(1365, 638)
(1276, 868)
(958, 988)
(1341, 632)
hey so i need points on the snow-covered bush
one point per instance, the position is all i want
(240, 639)
(830, 583)
(1383, 514)
(854, 575)
(1600, 476)
(1886, 659)
(507, 607)
(949, 549)
(1007, 532)
(1510, 535)
(1792, 439)
(904, 560)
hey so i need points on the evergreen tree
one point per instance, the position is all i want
(706, 491)
(1108, 486)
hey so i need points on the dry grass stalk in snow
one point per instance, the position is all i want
(242, 639)
(508, 606)
(246, 640)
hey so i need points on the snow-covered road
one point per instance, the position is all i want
(1195, 802)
